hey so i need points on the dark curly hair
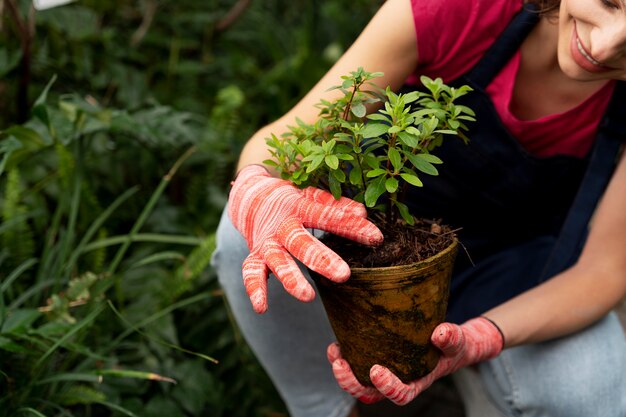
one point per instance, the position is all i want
(545, 6)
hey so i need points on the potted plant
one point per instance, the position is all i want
(397, 293)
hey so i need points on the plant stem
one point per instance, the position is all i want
(346, 111)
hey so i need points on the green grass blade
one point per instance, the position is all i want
(97, 223)
(71, 376)
(119, 373)
(158, 315)
(16, 273)
(143, 237)
(30, 411)
(9, 280)
(50, 250)
(33, 290)
(70, 232)
(84, 322)
(162, 342)
(143, 216)
(158, 257)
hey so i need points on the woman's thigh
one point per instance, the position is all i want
(289, 340)
(581, 375)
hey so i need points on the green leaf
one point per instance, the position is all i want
(335, 186)
(374, 190)
(20, 321)
(375, 173)
(316, 161)
(413, 130)
(391, 185)
(412, 96)
(408, 139)
(421, 164)
(358, 109)
(355, 175)
(339, 175)
(371, 160)
(378, 116)
(373, 130)
(412, 179)
(404, 212)
(433, 159)
(332, 161)
(395, 158)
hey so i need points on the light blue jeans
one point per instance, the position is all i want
(582, 375)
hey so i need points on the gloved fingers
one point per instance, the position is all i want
(342, 223)
(333, 352)
(311, 252)
(324, 197)
(388, 384)
(255, 273)
(348, 382)
(449, 338)
(287, 271)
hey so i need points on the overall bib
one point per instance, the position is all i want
(523, 218)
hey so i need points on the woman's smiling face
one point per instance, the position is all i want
(592, 39)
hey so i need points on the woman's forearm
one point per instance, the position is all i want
(562, 305)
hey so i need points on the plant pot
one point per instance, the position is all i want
(386, 315)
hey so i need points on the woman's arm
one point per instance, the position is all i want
(387, 44)
(583, 293)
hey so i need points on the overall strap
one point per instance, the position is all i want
(611, 135)
(505, 46)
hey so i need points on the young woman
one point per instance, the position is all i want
(540, 194)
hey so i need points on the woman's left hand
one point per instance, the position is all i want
(474, 341)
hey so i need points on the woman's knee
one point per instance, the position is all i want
(579, 375)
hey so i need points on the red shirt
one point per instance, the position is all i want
(452, 36)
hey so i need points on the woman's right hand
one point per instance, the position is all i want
(272, 215)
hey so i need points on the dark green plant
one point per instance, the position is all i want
(139, 83)
(364, 156)
(107, 306)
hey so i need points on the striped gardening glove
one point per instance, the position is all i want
(272, 215)
(474, 341)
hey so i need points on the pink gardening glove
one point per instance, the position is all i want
(272, 215)
(474, 341)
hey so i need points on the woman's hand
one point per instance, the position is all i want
(474, 341)
(272, 215)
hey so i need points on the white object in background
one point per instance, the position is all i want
(48, 4)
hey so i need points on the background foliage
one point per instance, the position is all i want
(120, 123)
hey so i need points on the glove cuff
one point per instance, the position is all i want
(485, 337)
(498, 329)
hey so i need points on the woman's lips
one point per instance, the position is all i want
(583, 58)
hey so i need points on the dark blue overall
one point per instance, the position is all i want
(523, 218)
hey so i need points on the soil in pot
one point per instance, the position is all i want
(397, 294)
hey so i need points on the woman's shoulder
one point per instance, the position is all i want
(452, 35)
